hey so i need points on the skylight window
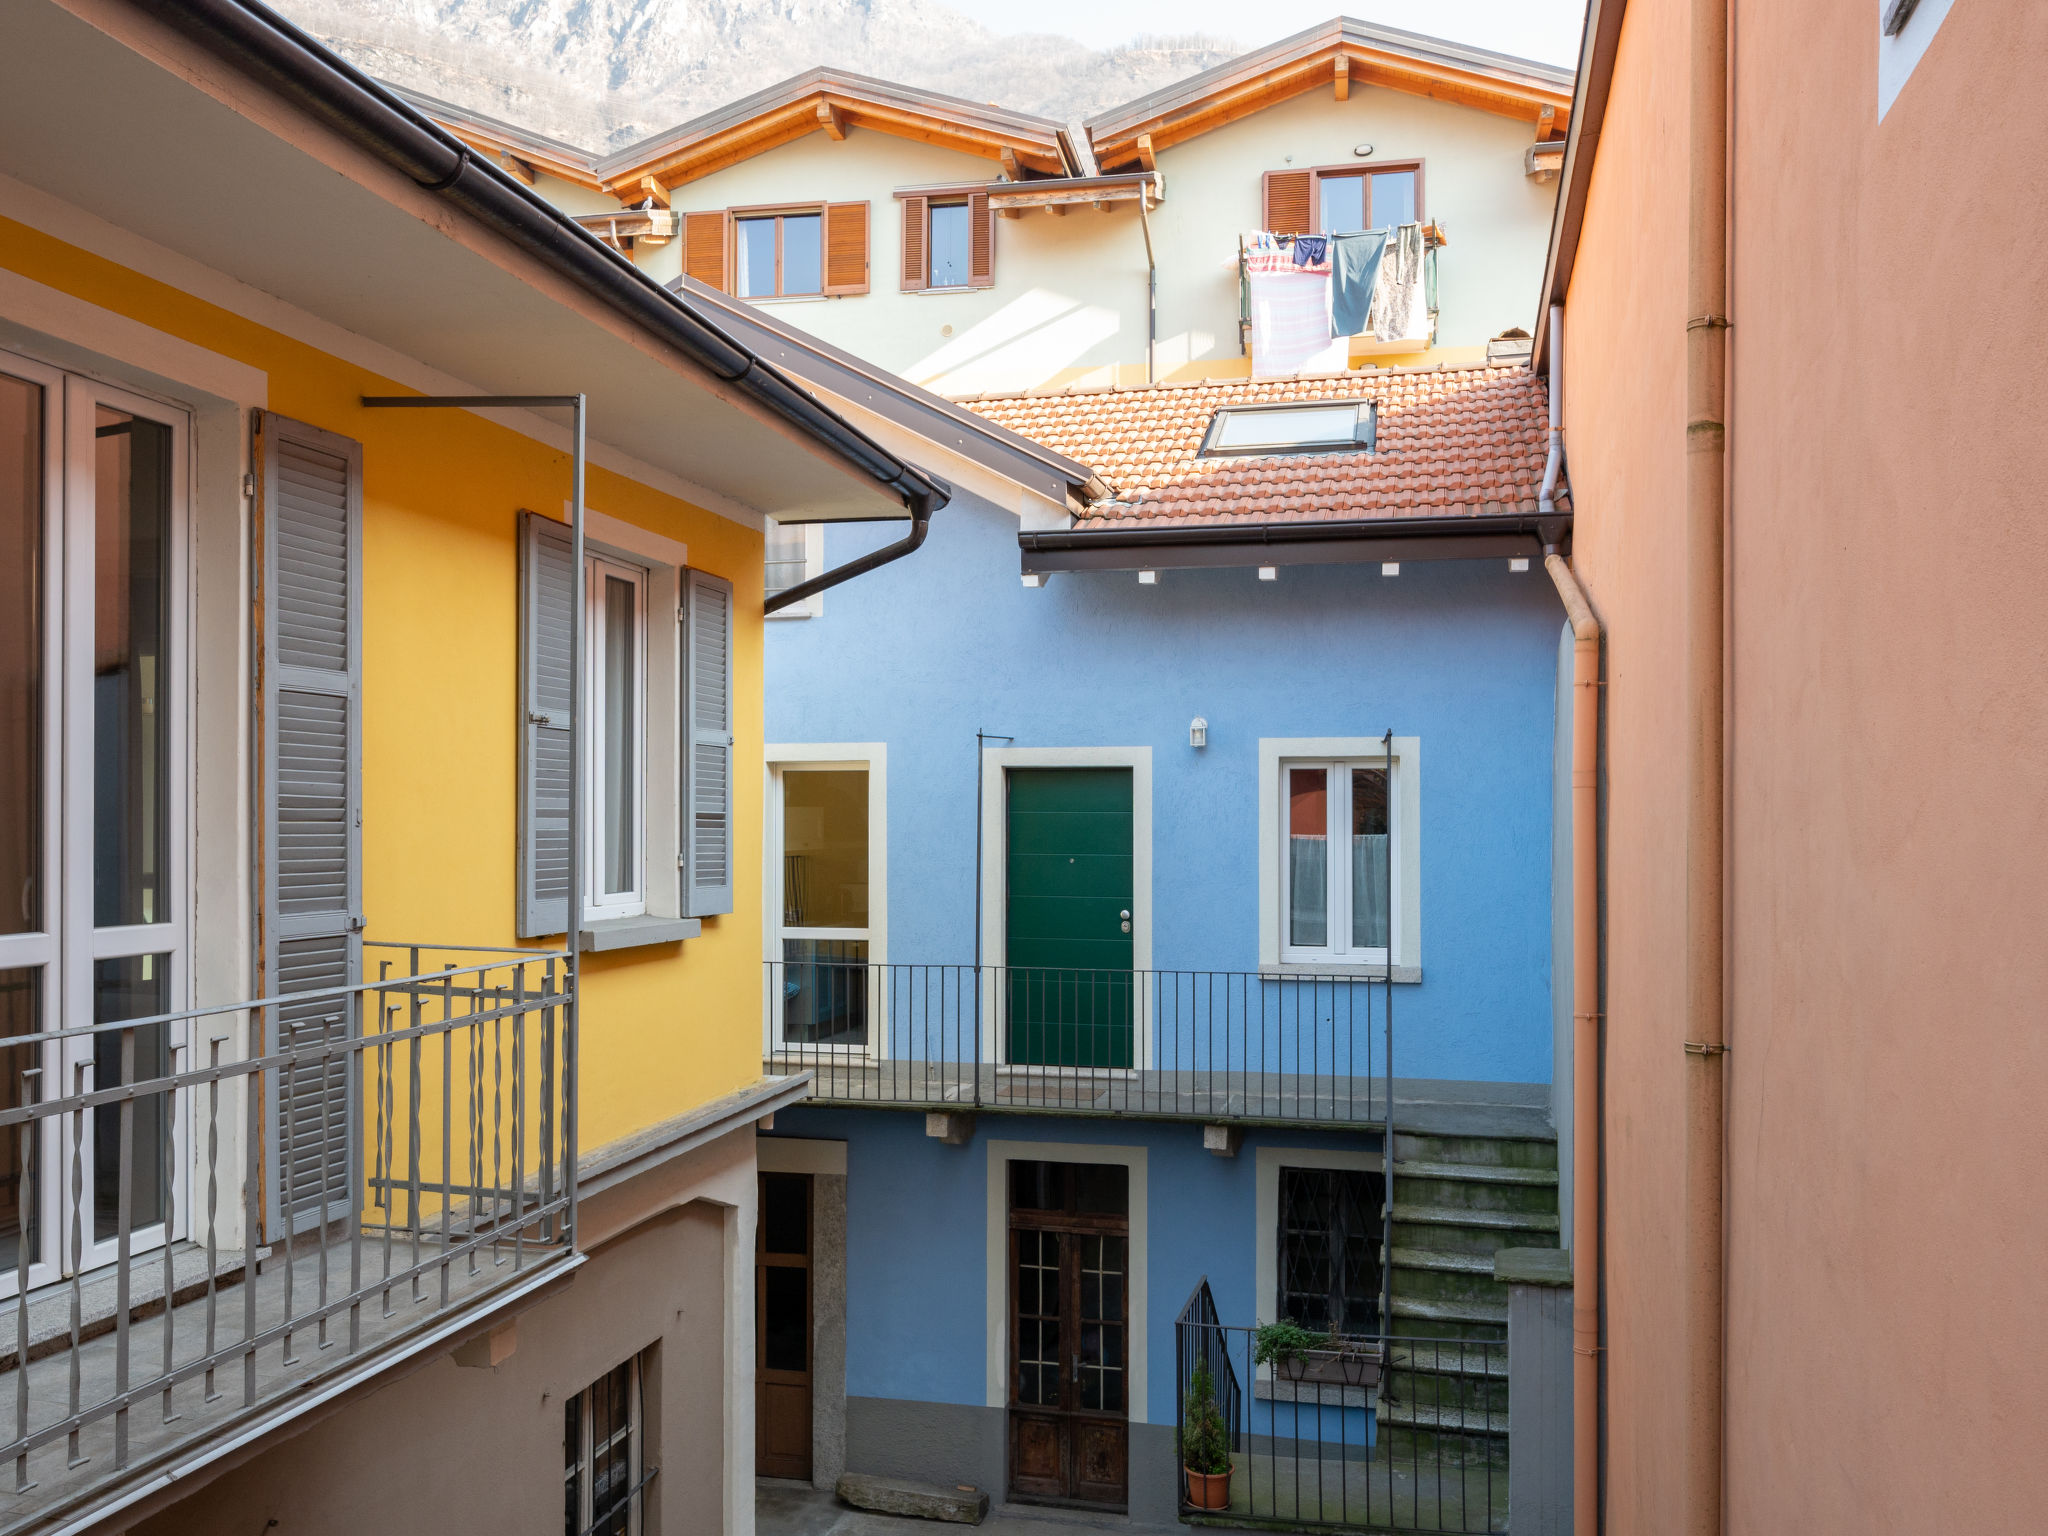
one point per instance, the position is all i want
(1292, 427)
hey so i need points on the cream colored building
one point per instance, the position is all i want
(828, 198)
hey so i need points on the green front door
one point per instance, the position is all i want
(1070, 885)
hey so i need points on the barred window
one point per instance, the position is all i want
(1330, 1233)
(603, 1476)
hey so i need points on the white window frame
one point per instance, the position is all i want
(597, 903)
(636, 1449)
(813, 536)
(871, 758)
(1404, 787)
(69, 944)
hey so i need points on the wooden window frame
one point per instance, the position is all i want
(778, 212)
(953, 195)
(1317, 174)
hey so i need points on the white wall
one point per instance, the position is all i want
(1069, 301)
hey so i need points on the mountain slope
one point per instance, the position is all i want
(603, 73)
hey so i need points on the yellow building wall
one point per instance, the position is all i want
(663, 1028)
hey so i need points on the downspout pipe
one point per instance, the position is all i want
(1151, 288)
(1587, 1150)
(921, 509)
(261, 44)
(1704, 1068)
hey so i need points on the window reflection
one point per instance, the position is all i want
(21, 655)
(20, 1017)
(133, 987)
(131, 580)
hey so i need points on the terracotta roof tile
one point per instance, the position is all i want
(1451, 441)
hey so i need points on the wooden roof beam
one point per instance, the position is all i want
(832, 120)
(1147, 157)
(1545, 120)
(655, 190)
(1343, 77)
(1011, 169)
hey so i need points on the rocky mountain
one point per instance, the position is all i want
(603, 73)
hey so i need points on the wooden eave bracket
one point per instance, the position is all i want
(832, 120)
(1342, 75)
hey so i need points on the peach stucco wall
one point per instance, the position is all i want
(1887, 1362)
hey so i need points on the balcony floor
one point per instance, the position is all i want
(58, 1484)
(1423, 1105)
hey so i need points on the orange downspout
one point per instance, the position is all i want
(1704, 1067)
(1585, 1242)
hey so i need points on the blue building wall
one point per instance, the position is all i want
(1462, 655)
(917, 1248)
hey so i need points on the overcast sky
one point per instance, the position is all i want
(1532, 29)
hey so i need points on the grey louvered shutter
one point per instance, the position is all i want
(707, 739)
(312, 809)
(547, 610)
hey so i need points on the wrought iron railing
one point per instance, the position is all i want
(1209, 1045)
(1383, 1433)
(274, 1214)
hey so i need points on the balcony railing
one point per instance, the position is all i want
(1208, 1045)
(1385, 1433)
(178, 1279)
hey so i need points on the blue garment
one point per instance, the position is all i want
(1309, 249)
(1354, 271)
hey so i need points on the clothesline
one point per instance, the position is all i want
(1307, 295)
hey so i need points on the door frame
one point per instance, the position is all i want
(995, 839)
(871, 758)
(1000, 1156)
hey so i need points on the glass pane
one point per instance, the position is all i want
(756, 263)
(621, 705)
(21, 1015)
(1036, 1186)
(784, 557)
(21, 655)
(801, 271)
(1306, 427)
(1369, 858)
(1343, 203)
(1308, 839)
(785, 1213)
(1393, 199)
(949, 245)
(133, 987)
(825, 848)
(611, 1453)
(1102, 1189)
(825, 991)
(131, 571)
(785, 1318)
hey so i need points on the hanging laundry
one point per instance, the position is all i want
(1354, 274)
(1310, 250)
(1400, 308)
(1290, 314)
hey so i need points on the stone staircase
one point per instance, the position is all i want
(1458, 1199)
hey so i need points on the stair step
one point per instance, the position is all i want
(1457, 1216)
(1489, 1360)
(1478, 1173)
(1444, 1416)
(1451, 1311)
(1444, 1263)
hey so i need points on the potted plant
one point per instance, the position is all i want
(1205, 1445)
(1358, 1361)
(1286, 1346)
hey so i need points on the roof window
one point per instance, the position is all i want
(1295, 426)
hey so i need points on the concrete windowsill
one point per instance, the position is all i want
(634, 932)
(1294, 970)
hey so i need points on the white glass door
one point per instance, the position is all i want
(827, 994)
(92, 927)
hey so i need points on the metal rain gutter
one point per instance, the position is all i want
(263, 45)
(1467, 537)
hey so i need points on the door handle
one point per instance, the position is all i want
(1125, 916)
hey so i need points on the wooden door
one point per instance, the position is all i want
(782, 1327)
(1069, 1333)
(1070, 884)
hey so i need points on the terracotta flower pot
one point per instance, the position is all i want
(1208, 1490)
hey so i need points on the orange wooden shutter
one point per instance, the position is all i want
(1288, 208)
(981, 259)
(846, 247)
(915, 268)
(704, 247)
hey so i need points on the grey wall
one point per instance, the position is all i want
(828, 1328)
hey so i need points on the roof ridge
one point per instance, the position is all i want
(1068, 390)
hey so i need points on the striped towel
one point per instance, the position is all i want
(1290, 315)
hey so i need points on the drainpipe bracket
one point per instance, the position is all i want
(1704, 1048)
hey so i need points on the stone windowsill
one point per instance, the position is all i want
(1292, 970)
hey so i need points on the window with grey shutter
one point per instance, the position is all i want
(547, 610)
(312, 797)
(707, 739)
